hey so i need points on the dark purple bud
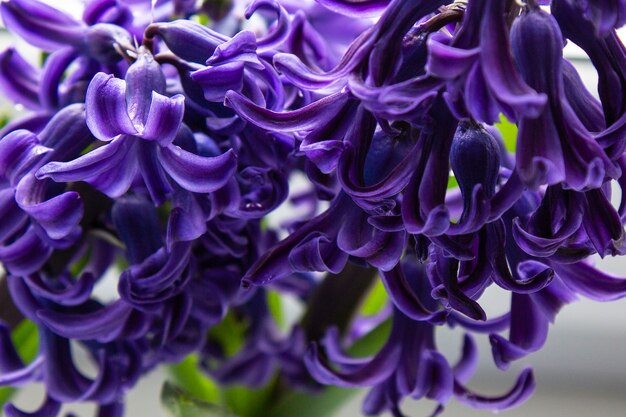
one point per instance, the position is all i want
(475, 160)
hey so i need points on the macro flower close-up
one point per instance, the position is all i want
(305, 208)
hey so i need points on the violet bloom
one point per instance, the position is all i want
(140, 125)
(200, 132)
(568, 153)
(43, 216)
(409, 365)
(608, 56)
(477, 64)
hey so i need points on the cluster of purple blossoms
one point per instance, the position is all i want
(155, 147)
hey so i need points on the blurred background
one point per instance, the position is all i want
(580, 372)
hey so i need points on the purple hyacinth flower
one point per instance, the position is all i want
(605, 16)
(574, 222)
(140, 124)
(42, 215)
(530, 317)
(567, 153)
(50, 29)
(604, 48)
(476, 62)
(325, 242)
(409, 365)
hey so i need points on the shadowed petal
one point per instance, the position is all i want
(110, 168)
(197, 173)
(20, 152)
(40, 24)
(356, 8)
(164, 118)
(305, 118)
(19, 80)
(105, 107)
(59, 215)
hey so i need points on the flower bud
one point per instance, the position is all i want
(537, 46)
(143, 77)
(475, 159)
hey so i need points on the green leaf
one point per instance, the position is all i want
(229, 333)
(376, 299)
(189, 377)
(179, 403)
(247, 402)
(5, 118)
(26, 340)
(325, 404)
(80, 264)
(509, 133)
(452, 182)
(373, 341)
(330, 400)
(275, 305)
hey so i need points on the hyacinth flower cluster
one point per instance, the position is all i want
(158, 139)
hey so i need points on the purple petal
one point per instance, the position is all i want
(521, 391)
(105, 107)
(378, 369)
(356, 8)
(24, 375)
(104, 324)
(26, 254)
(20, 152)
(381, 249)
(403, 296)
(499, 70)
(153, 174)
(164, 118)
(110, 168)
(195, 173)
(448, 62)
(189, 40)
(59, 216)
(468, 363)
(305, 118)
(40, 24)
(217, 81)
(76, 293)
(241, 48)
(591, 282)
(19, 80)
(280, 30)
(52, 75)
(317, 252)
